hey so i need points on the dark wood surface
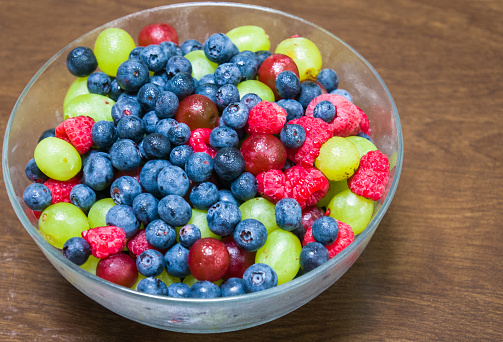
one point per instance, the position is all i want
(433, 269)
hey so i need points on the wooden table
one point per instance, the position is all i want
(433, 269)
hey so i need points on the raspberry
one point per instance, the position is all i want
(60, 190)
(345, 237)
(371, 177)
(200, 141)
(317, 132)
(266, 117)
(347, 117)
(105, 241)
(271, 185)
(364, 122)
(139, 244)
(77, 131)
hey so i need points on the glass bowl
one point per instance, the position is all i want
(198, 21)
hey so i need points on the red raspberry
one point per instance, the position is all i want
(345, 237)
(272, 185)
(105, 241)
(200, 141)
(364, 122)
(266, 117)
(371, 177)
(139, 244)
(347, 116)
(317, 132)
(77, 131)
(60, 190)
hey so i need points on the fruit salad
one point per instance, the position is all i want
(204, 169)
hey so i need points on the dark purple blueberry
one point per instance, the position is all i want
(99, 83)
(172, 180)
(308, 91)
(205, 289)
(125, 155)
(288, 214)
(153, 57)
(325, 110)
(126, 106)
(160, 234)
(150, 263)
(179, 134)
(33, 172)
(156, 146)
(223, 136)
(244, 187)
(226, 95)
(37, 196)
(178, 290)
(174, 210)
(81, 61)
(199, 166)
(180, 154)
(77, 250)
(83, 197)
(98, 172)
(188, 235)
(203, 195)
(218, 48)
(131, 127)
(147, 96)
(103, 134)
(229, 163)
(190, 45)
(166, 104)
(132, 75)
(232, 287)
(251, 100)
(328, 78)
(145, 207)
(292, 135)
(223, 217)
(178, 64)
(250, 235)
(124, 189)
(247, 63)
(123, 216)
(153, 286)
(177, 261)
(287, 85)
(259, 277)
(293, 108)
(325, 230)
(235, 115)
(207, 89)
(181, 84)
(227, 73)
(313, 255)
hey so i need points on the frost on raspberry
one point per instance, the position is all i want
(266, 117)
(371, 177)
(60, 190)
(77, 131)
(105, 241)
(317, 133)
(344, 239)
(200, 141)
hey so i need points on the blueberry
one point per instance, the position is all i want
(325, 230)
(145, 207)
(160, 235)
(153, 57)
(136, 53)
(178, 64)
(292, 135)
(325, 110)
(250, 235)
(232, 287)
(51, 132)
(177, 261)
(226, 95)
(244, 187)
(172, 180)
(207, 79)
(207, 89)
(226, 195)
(223, 217)
(124, 189)
(223, 136)
(174, 210)
(83, 197)
(126, 106)
(153, 286)
(199, 166)
(125, 155)
(287, 84)
(262, 55)
(150, 263)
(313, 255)
(308, 91)
(180, 154)
(149, 173)
(115, 90)
(235, 115)
(81, 61)
(328, 78)
(293, 108)
(178, 290)
(288, 164)
(159, 80)
(250, 100)
(98, 172)
(33, 172)
(156, 146)
(37, 196)
(147, 96)
(204, 195)
(188, 235)
(218, 48)
(99, 83)
(131, 127)
(190, 45)
(150, 120)
(170, 49)
(103, 134)
(164, 125)
(299, 232)
(132, 75)
(229, 163)
(366, 136)
(288, 214)
(247, 63)
(123, 216)
(344, 93)
(259, 277)
(227, 73)
(205, 289)
(77, 250)
(179, 133)
(181, 84)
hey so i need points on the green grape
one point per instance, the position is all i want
(249, 37)
(191, 280)
(60, 222)
(260, 209)
(304, 53)
(166, 278)
(112, 47)
(200, 64)
(393, 160)
(282, 252)
(363, 145)
(199, 220)
(352, 209)
(98, 212)
(338, 159)
(256, 87)
(91, 264)
(335, 188)
(57, 159)
(78, 87)
(96, 106)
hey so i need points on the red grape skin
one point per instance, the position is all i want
(118, 268)
(208, 259)
(263, 152)
(197, 111)
(274, 65)
(157, 33)
(240, 260)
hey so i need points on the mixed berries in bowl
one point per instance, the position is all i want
(203, 167)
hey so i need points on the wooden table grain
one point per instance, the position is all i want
(433, 268)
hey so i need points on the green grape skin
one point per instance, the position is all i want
(338, 159)
(304, 53)
(335, 188)
(111, 48)
(282, 252)
(256, 87)
(200, 64)
(96, 106)
(250, 37)
(260, 209)
(352, 209)
(191, 280)
(78, 87)
(60, 222)
(91, 264)
(363, 145)
(98, 212)
(57, 159)
(199, 220)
